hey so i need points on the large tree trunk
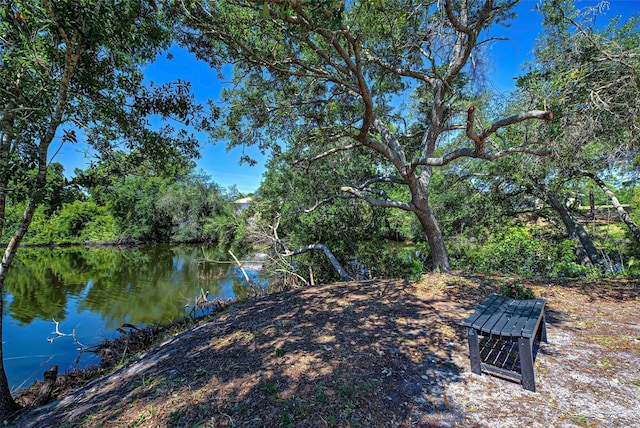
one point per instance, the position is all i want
(7, 404)
(616, 204)
(420, 193)
(439, 254)
(586, 251)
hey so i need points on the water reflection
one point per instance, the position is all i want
(93, 291)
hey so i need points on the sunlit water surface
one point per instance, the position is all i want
(91, 292)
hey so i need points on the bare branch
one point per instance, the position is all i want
(383, 203)
(479, 140)
(532, 114)
(385, 179)
(320, 247)
(325, 201)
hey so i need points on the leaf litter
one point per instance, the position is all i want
(372, 354)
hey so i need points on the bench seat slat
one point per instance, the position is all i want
(496, 316)
(517, 329)
(511, 320)
(533, 320)
(523, 312)
(509, 329)
(509, 316)
(480, 316)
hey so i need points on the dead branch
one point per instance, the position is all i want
(244, 272)
(59, 334)
(282, 252)
(334, 262)
(49, 381)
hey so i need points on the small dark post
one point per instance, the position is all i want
(44, 396)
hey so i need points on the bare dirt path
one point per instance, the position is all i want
(378, 354)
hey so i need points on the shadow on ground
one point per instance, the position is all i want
(377, 354)
(348, 354)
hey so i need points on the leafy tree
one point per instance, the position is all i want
(589, 75)
(191, 204)
(76, 64)
(155, 201)
(325, 78)
(291, 212)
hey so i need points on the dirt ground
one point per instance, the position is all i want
(373, 354)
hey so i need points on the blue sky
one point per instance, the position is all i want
(507, 58)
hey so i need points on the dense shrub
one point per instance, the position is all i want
(512, 250)
(76, 222)
(565, 261)
(380, 260)
(516, 290)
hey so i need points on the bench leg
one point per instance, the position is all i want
(542, 330)
(526, 364)
(474, 350)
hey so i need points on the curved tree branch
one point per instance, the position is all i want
(365, 195)
(479, 140)
(327, 153)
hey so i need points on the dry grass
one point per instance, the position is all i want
(378, 353)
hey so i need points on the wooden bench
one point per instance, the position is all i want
(504, 320)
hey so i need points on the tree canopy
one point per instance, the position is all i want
(70, 67)
(392, 78)
(371, 113)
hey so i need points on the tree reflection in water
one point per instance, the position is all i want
(94, 291)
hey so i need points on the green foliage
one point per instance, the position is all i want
(347, 102)
(515, 290)
(76, 222)
(565, 263)
(133, 206)
(632, 267)
(379, 259)
(191, 204)
(228, 231)
(510, 250)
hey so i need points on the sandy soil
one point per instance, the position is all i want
(377, 354)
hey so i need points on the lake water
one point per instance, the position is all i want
(91, 292)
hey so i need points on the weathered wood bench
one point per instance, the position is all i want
(514, 321)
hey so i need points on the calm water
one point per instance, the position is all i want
(91, 292)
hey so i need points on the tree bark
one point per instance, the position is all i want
(633, 227)
(586, 251)
(8, 406)
(334, 262)
(44, 395)
(437, 247)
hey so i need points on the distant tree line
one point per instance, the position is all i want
(123, 202)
